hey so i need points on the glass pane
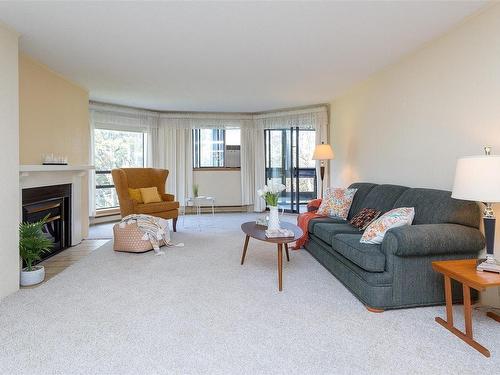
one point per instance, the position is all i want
(233, 137)
(103, 179)
(117, 149)
(307, 142)
(106, 198)
(211, 148)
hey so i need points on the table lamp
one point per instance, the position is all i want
(477, 178)
(322, 152)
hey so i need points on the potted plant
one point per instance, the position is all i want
(32, 244)
(195, 190)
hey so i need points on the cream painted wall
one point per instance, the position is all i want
(53, 118)
(409, 123)
(9, 162)
(224, 186)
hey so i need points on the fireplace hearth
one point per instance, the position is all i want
(53, 202)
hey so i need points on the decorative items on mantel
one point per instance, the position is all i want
(51, 159)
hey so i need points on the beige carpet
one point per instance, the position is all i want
(196, 310)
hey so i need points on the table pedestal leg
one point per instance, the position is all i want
(245, 247)
(494, 316)
(287, 254)
(280, 267)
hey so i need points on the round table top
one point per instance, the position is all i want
(258, 232)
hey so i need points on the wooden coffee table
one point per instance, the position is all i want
(251, 229)
(464, 271)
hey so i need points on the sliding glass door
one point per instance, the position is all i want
(289, 161)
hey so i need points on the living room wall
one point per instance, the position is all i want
(53, 118)
(9, 162)
(410, 122)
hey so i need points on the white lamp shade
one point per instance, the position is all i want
(323, 152)
(477, 178)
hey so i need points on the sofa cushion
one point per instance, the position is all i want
(317, 220)
(367, 256)
(383, 197)
(438, 207)
(326, 231)
(152, 208)
(362, 190)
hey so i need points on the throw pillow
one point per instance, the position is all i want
(135, 194)
(397, 217)
(336, 202)
(364, 218)
(150, 195)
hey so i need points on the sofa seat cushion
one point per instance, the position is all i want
(326, 231)
(152, 208)
(318, 220)
(367, 256)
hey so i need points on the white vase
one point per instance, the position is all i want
(32, 277)
(274, 219)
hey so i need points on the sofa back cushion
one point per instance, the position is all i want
(382, 197)
(437, 206)
(362, 190)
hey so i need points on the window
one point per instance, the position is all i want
(212, 146)
(115, 149)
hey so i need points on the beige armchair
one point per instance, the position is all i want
(135, 178)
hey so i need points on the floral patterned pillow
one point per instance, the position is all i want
(336, 202)
(397, 217)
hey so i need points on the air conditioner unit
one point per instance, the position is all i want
(232, 156)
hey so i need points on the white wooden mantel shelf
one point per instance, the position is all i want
(25, 169)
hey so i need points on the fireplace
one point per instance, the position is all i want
(53, 202)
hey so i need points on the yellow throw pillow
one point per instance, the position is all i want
(150, 195)
(135, 194)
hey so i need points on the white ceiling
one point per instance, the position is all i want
(221, 56)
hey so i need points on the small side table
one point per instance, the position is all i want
(464, 271)
(197, 202)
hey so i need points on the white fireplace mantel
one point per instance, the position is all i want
(31, 176)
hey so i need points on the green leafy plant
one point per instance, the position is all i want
(32, 242)
(195, 190)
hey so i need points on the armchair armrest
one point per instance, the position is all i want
(168, 197)
(432, 239)
(313, 205)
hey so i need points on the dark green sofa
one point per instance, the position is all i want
(398, 272)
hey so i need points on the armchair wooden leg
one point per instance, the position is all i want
(174, 224)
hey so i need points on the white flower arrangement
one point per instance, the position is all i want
(271, 193)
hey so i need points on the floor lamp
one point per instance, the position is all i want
(322, 153)
(477, 178)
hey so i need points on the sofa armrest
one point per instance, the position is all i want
(313, 205)
(432, 239)
(167, 197)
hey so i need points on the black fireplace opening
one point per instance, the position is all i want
(55, 203)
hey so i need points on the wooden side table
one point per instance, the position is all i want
(464, 271)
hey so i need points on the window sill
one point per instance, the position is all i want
(107, 212)
(217, 169)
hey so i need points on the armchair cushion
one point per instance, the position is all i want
(150, 195)
(135, 194)
(152, 208)
(432, 239)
